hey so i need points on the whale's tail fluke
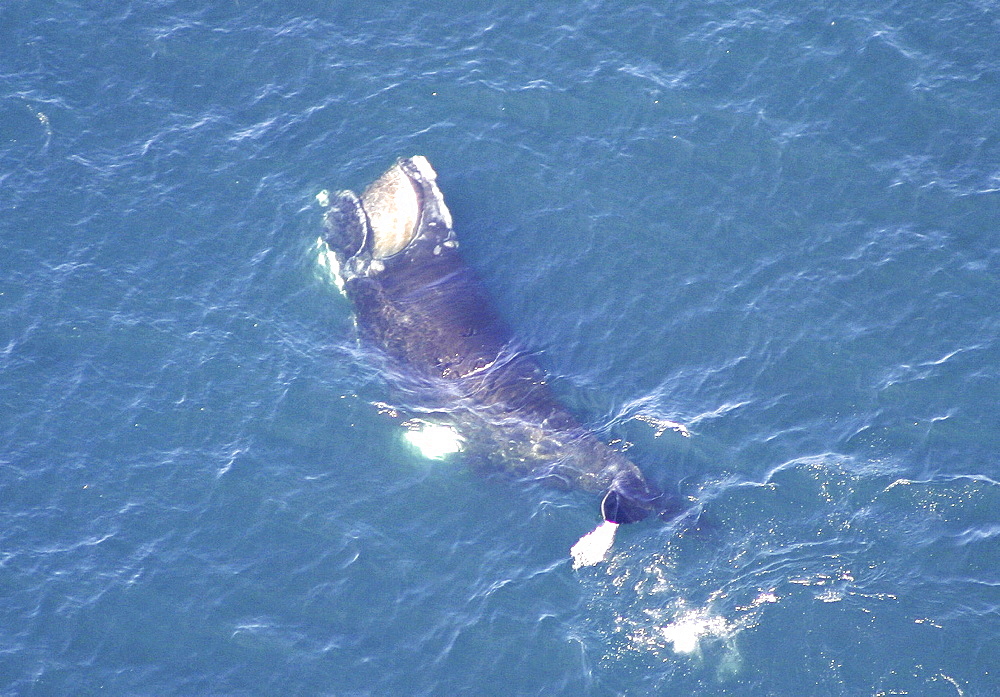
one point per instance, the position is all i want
(631, 499)
(619, 508)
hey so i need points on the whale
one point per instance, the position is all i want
(440, 340)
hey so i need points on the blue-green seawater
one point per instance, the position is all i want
(775, 223)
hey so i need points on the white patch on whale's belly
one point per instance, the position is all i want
(434, 441)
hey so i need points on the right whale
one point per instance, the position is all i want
(418, 302)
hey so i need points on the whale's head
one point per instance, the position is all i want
(392, 203)
(397, 211)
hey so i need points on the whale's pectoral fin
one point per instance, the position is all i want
(346, 225)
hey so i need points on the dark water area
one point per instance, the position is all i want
(775, 225)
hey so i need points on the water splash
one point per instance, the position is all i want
(685, 631)
(593, 547)
(327, 264)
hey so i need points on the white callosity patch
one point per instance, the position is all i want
(593, 547)
(434, 441)
(430, 177)
(393, 211)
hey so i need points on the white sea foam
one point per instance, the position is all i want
(593, 547)
(328, 264)
(687, 630)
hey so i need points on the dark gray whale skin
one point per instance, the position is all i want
(418, 302)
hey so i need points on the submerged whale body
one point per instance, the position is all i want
(417, 301)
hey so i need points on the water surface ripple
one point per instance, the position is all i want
(773, 225)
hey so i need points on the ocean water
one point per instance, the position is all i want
(773, 223)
